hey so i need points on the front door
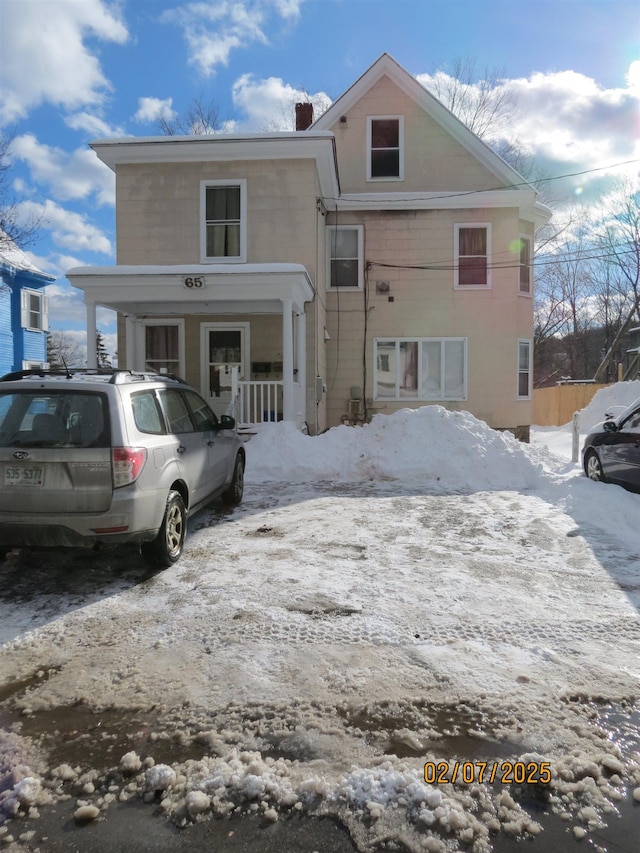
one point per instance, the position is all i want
(224, 346)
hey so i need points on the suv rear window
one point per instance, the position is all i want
(41, 418)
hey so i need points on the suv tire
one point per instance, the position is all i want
(166, 548)
(233, 494)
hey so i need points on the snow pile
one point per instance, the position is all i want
(612, 399)
(430, 446)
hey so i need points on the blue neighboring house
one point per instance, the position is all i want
(24, 319)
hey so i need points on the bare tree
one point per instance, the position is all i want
(201, 118)
(14, 228)
(479, 99)
(619, 240)
(63, 350)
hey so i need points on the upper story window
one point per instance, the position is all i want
(385, 148)
(34, 314)
(472, 267)
(525, 265)
(345, 257)
(224, 213)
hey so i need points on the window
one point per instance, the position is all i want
(223, 221)
(146, 413)
(346, 257)
(162, 348)
(34, 313)
(472, 255)
(176, 411)
(525, 264)
(385, 149)
(524, 370)
(421, 369)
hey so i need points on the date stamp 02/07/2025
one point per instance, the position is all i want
(501, 772)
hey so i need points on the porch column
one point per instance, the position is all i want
(288, 402)
(301, 364)
(134, 359)
(92, 350)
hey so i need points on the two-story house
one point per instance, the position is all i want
(377, 258)
(23, 310)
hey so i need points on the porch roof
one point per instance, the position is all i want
(194, 288)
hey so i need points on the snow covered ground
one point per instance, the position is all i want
(422, 589)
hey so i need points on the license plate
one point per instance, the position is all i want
(22, 475)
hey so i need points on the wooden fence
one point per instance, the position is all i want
(555, 406)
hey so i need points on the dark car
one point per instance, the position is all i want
(611, 451)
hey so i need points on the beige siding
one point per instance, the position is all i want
(159, 211)
(434, 161)
(425, 304)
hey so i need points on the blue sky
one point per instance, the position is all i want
(76, 70)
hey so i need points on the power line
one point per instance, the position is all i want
(523, 183)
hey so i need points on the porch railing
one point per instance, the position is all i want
(259, 402)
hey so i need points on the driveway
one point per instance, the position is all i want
(319, 649)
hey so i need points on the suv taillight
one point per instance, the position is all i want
(126, 464)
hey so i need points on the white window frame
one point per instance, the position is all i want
(331, 229)
(400, 175)
(529, 370)
(420, 396)
(525, 239)
(141, 353)
(35, 365)
(223, 259)
(43, 313)
(456, 255)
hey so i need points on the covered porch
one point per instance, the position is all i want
(237, 332)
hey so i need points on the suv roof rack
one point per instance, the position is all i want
(117, 375)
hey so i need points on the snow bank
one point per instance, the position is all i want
(613, 399)
(430, 446)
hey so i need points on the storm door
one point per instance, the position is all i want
(224, 346)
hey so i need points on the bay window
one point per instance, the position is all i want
(525, 265)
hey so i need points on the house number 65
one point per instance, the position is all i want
(193, 281)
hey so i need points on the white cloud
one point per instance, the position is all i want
(93, 126)
(76, 175)
(213, 30)
(269, 105)
(69, 230)
(44, 56)
(150, 109)
(568, 123)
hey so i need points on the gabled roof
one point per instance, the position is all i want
(387, 66)
(13, 258)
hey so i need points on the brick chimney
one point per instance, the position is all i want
(304, 115)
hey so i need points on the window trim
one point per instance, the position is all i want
(420, 397)
(223, 259)
(525, 239)
(458, 226)
(43, 313)
(360, 231)
(400, 175)
(142, 354)
(529, 371)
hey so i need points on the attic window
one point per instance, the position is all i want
(385, 149)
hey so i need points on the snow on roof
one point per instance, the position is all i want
(13, 256)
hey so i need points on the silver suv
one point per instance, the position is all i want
(91, 457)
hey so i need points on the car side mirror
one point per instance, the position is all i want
(610, 426)
(227, 422)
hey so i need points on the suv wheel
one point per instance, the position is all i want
(233, 495)
(166, 548)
